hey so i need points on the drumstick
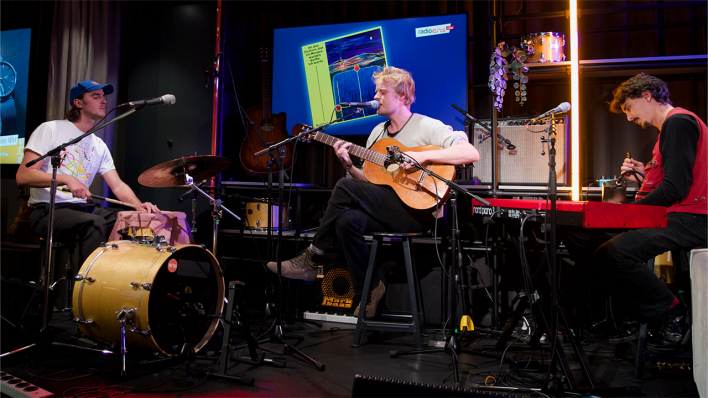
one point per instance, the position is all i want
(118, 202)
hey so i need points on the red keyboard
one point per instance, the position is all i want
(578, 214)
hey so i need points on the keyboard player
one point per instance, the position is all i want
(676, 178)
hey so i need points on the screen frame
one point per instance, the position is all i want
(424, 92)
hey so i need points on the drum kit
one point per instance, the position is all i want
(153, 291)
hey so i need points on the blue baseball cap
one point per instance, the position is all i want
(89, 85)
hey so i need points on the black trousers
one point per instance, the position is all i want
(624, 256)
(359, 207)
(85, 225)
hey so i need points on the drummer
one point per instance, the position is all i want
(75, 220)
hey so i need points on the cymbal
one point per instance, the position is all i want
(171, 173)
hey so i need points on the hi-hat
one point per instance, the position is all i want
(171, 173)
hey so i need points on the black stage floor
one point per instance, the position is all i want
(72, 372)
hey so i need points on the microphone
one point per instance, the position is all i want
(370, 104)
(167, 99)
(564, 107)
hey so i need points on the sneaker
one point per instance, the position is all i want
(375, 295)
(675, 330)
(300, 267)
(627, 332)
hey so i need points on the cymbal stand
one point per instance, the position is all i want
(457, 273)
(56, 159)
(216, 211)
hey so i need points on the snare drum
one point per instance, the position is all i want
(257, 216)
(169, 294)
(544, 47)
(172, 225)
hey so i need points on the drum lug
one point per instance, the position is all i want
(114, 246)
(102, 244)
(86, 322)
(87, 278)
(126, 313)
(146, 286)
(146, 332)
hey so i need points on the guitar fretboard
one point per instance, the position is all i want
(265, 88)
(356, 150)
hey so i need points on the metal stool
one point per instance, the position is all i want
(415, 323)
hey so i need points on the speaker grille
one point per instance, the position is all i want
(525, 164)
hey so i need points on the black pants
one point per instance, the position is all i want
(624, 256)
(356, 208)
(83, 225)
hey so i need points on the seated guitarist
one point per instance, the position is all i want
(358, 207)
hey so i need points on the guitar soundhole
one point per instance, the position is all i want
(267, 125)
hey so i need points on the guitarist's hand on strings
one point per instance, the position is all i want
(341, 148)
(418, 158)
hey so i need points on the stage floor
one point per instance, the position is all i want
(63, 371)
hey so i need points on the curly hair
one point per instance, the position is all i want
(635, 86)
(401, 80)
(74, 113)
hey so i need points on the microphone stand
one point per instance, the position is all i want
(553, 385)
(278, 335)
(55, 154)
(452, 344)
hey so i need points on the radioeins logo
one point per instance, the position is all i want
(433, 30)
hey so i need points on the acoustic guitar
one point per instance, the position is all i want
(271, 127)
(415, 188)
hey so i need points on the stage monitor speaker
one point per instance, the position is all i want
(527, 164)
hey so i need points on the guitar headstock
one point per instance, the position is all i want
(264, 52)
(299, 128)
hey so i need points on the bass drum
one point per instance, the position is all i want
(176, 295)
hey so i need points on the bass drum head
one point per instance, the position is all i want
(185, 302)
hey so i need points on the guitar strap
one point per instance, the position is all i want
(383, 131)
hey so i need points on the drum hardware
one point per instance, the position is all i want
(177, 172)
(146, 332)
(86, 322)
(87, 278)
(146, 286)
(125, 313)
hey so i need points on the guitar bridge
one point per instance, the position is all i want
(421, 178)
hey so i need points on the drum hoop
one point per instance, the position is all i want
(93, 261)
(150, 276)
(553, 34)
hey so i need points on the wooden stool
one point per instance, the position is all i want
(416, 318)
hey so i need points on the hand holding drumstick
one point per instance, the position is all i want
(118, 202)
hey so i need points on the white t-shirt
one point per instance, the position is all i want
(83, 159)
(420, 130)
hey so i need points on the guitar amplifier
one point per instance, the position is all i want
(527, 163)
(335, 293)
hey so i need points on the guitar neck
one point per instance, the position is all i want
(356, 150)
(265, 89)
